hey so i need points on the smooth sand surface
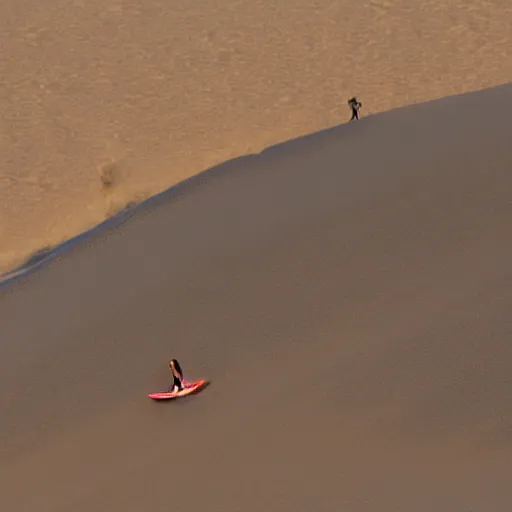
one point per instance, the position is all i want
(152, 92)
(348, 295)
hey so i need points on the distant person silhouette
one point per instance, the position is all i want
(355, 106)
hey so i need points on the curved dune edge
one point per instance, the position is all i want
(42, 256)
(155, 93)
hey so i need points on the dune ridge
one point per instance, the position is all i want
(157, 92)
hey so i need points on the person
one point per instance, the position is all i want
(177, 375)
(355, 106)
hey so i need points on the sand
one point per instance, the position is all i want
(150, 93)
(347, 294)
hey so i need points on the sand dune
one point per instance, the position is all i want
(160, 90)
(348, 295)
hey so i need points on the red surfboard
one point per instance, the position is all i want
(189, 389)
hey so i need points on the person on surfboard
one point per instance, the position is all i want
(177, 375)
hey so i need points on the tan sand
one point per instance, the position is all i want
(157, 90)
(349, 296)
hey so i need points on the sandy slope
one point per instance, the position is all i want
(347, 293)
(161, 90)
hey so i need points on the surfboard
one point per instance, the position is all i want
(189, 389)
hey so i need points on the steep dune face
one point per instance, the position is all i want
(347, 293)
(159, 91)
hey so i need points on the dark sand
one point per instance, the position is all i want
(348, 294)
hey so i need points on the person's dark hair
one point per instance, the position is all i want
(176, 365)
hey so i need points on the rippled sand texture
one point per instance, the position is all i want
(104, 102)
